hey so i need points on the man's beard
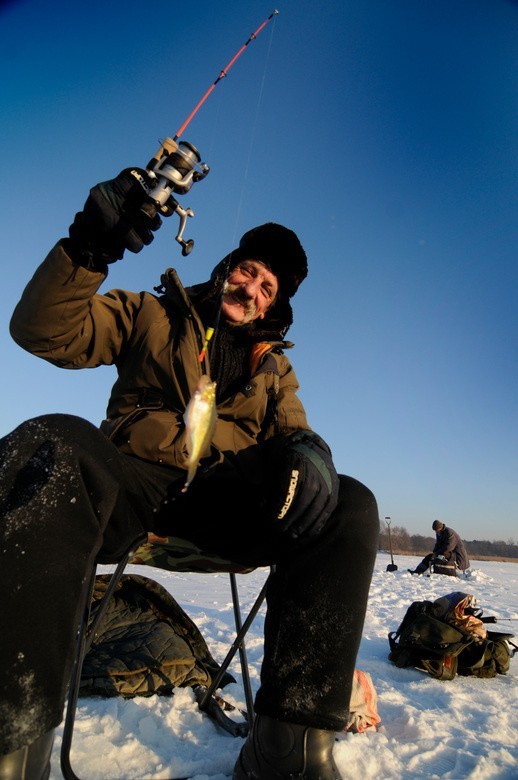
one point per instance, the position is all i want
(248, 305)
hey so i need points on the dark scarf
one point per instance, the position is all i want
(229, 360)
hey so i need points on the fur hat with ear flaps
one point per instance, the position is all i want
(280, 249)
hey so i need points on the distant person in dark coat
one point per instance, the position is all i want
(449, 545)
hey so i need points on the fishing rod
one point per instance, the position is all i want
(177, 165)
(487, 619)
(223, 73)
(478, 613)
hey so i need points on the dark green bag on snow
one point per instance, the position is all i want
(495, 658)
(443, 650)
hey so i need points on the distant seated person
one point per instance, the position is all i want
(448, 547)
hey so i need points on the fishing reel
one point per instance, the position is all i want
(174, 169)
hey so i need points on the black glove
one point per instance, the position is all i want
(112, 220)
(305, 491)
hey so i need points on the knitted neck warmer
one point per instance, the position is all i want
(229, 359)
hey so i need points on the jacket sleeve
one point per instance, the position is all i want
(290, 412)
(62, 319)
(447, 542)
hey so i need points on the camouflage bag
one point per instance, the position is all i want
(145, 644)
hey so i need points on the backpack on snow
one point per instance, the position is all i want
(447, 637)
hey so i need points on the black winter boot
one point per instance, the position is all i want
(419, 569)
(276, 749)
(28, 763)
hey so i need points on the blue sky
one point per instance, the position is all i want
(383, 132)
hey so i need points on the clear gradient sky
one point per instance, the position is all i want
(384, 132)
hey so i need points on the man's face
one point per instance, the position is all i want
(249, 291)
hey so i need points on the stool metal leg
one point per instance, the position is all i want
(242, 651)
(85, 638)
(235, 646)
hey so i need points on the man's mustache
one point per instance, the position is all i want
(240, 296)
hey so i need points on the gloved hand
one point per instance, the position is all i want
(305, 490)
(112, 220)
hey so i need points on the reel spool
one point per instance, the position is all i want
(175, 167)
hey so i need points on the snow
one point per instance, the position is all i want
(465, 728)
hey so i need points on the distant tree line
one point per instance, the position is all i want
(416, 544)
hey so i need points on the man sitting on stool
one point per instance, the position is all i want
(449, 545)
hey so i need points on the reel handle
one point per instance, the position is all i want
(187, 246)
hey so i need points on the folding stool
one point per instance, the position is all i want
(171, 554)
(439, 566)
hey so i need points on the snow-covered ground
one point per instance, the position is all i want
(465, 728)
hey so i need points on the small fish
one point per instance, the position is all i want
(200, 421)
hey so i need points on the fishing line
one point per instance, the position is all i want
(252, 136)
(209, 333)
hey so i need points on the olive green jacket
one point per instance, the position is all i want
(154, 342)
